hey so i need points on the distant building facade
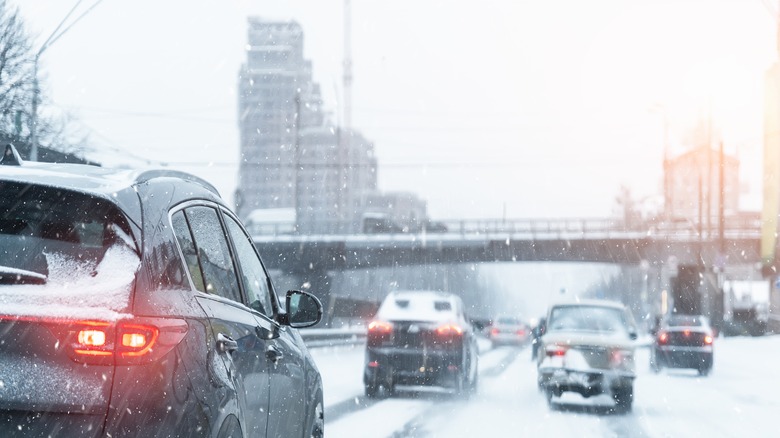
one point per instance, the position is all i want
(693, 186)
(292, 156)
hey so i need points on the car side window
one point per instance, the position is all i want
(219, 275)
(253, 274)
(184, 237)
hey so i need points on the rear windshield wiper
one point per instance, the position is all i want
(9, 275)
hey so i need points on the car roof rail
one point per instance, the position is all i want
(163, 173)
(11, 156)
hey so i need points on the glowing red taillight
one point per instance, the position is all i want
(136, 339)
(663, 338)
(379, 333)
(708, 340)
(380, 327)
(494, 331)
(126, 342)
(92, 338)
(555, 351)
(521, 332)
(449, 330)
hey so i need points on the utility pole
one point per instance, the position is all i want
(719, 298)
(297, 159)
(345, 132)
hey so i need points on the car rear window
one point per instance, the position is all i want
(587, 318)
(508, 321)
(43, 226)
(418, 308)
(685, 321)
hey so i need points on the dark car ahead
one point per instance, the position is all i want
(683, 341)
(421, 338)
(133, 303)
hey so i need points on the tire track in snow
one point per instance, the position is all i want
(416, 427)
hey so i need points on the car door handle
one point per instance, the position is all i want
(225, 343)
(273, 354)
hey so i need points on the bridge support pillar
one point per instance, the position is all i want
(697, 291)
(686, 293)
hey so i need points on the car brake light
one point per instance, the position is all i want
(137, 339)
(92, 338)
(555, 351)
(663, 338)
(449, 330)
(495, 332)
(708, 340)
(521, 332)
(617, 357)
(126, 342)
(380, 327)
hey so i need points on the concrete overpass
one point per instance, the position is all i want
(557, 240)
(694, 252)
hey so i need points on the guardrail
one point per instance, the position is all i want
(317, 338)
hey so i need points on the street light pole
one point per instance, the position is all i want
(55, 35)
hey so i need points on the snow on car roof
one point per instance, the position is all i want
(418, 306)
(91, 179)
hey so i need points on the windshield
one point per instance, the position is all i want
(685, 321)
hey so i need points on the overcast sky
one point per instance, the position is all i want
(536, 108)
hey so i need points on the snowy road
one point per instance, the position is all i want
(739, 398)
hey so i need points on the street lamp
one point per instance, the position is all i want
(55, 35)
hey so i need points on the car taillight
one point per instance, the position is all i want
(620, 357)
(125, 342)
(708, 340)
(380, 327)
(521, 332)
(449, 330)
(663, 338)
(379, 332)
(555, 351)
(494, 331)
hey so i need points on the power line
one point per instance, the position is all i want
(151, 114)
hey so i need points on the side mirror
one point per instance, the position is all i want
(303, 309)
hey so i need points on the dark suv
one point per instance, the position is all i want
(421, 338)
(134, 303)
(683, 341)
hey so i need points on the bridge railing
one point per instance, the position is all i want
(735, 227)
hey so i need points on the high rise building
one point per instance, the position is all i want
(292, 156)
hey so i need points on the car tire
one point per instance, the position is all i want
(474, 384)
(624, 398)
(548, 396)
(371, 390)
(705, 371)
(655, 366)
(317, 423)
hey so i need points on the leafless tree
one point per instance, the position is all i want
(16, 71)
(17, 57)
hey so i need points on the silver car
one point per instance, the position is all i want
(588, 348)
